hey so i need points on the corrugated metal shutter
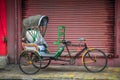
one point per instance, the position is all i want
(91, 19)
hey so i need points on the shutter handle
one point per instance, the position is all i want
(5, 39)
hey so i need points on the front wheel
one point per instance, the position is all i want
(95, 60)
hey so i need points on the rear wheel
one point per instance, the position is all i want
(45, 63)
(95, 60)
(27, 62)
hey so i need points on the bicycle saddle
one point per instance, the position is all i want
(81, 39)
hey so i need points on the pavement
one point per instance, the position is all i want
(60, 72)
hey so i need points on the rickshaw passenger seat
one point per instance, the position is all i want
(49, 55)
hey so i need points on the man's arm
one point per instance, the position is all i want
(28, 44)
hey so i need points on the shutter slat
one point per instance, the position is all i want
(91, 19)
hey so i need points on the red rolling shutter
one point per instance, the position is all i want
(3, 47)
(91, 19)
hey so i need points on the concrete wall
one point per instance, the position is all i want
(12, 30)
(116, 61)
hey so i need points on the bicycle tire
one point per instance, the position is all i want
(95, 62)
(26, 61)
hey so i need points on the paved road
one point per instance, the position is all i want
(61, 73)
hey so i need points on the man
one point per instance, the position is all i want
(33, 40)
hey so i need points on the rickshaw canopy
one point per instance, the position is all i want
(38, 20)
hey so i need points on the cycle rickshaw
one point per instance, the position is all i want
(32, 59)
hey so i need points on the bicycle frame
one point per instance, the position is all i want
(83, 52)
